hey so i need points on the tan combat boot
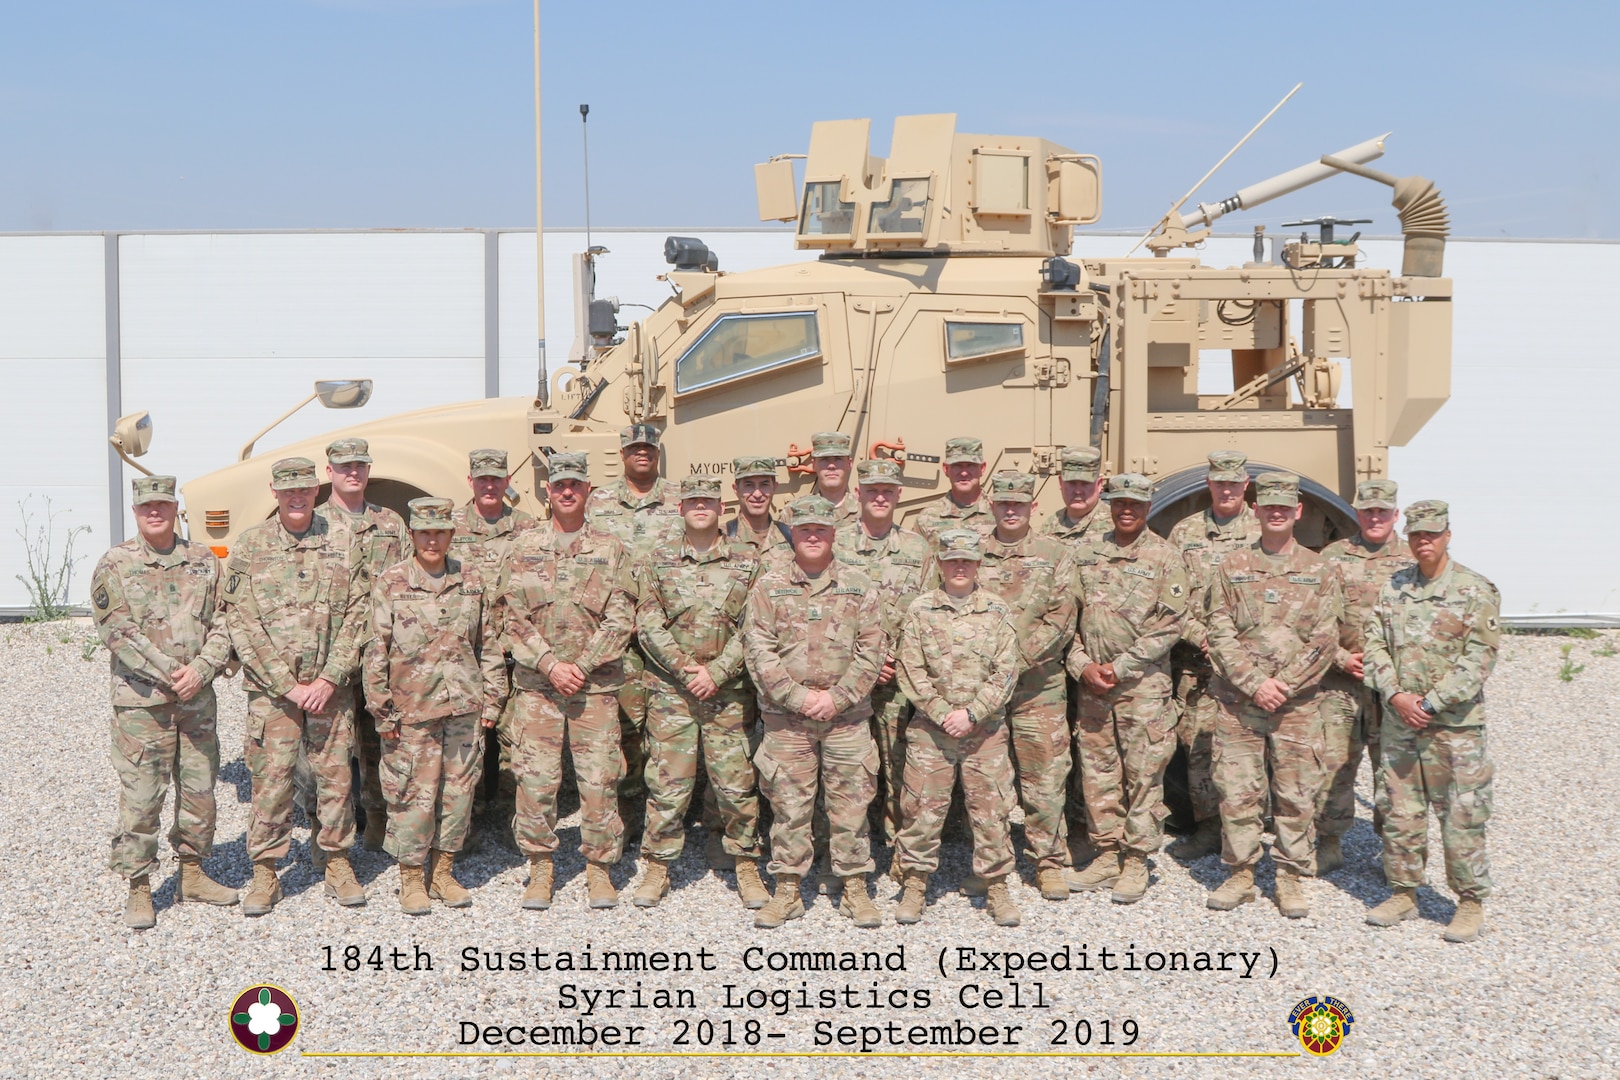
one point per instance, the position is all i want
(1401, 905)
(914, 899)
(857, 903)
(716, 854)
(1052, 883)
(537, 897)
(1101, 874)
(341, 884)
(785, 904)
(1466, 922)
(1291, 895)
(197, 887)
(1235, 890)
(749, 887)
(442, 883)
(138, 913)
(998, 902)
(1203, 840)
(600, 886)
(1329, 855)
(654, 884)
(413, 897)
(265, 892)
(1132, 882)
(974, 886)
(376, 829)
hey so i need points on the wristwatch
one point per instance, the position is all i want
(1429, 710)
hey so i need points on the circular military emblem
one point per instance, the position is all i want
(1321, 1024)
(264, 1019)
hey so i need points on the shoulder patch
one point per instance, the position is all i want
(102, 600)
(1176, 589)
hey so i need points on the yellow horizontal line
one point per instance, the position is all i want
(797, 1054)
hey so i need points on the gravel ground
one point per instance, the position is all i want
(83, 996)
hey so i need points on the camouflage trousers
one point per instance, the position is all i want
(935, 762)
(799, 757)
(542, 719)
(367, 751)
(152, 747)
(1449, 770)
(429, 771)
(634, 696)
(1195, 731)
(1124, 742)
(1351, 719)
(891, 712)
(1249, 742)
(277, 730)
(1038, 718)
(678, 727)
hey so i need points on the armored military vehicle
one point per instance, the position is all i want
(946, 300)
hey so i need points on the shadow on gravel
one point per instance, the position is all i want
(235, 773)
(229, 865)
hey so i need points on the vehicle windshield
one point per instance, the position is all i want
(905, 212)
(824, 213)
(740, 345)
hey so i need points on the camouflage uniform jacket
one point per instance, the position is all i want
(958, 654)
(1274, 616)
(896, 564)
(1436, 638)
(1036, 579)
(569, 598)
(380, 533)
(155, 613)
(433, 651)
(295, 605)
(801, 634)
(1203, 542)
(1059, 526)
(774, 538)
(643, 523)
(1363, 573)
(944, 513)
(488, 543)
(691, 609)
(1132, 600)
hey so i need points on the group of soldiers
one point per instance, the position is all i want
(849, 670)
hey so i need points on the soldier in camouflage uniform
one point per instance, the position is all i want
(296, 592)
(567, 614)
(895, 559)
(1133, 593)
(1274, 612)
(1352, 713)
(154, 598)
(1431, 644)
(964, 505)
(643, 510)
(434, 677)
(689, 618)
(813, 638)
(381, 535)
(832, 456)
(754, 481)
(958, 661)
(486, 528)
(1203, 541)
(1080, 480)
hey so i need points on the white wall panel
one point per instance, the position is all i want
(53, 444)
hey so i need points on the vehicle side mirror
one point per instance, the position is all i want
(133, 433)
(773, 185)
(343, 393)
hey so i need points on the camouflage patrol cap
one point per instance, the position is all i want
(568, 465)
(1133, 486)
(1428, 516)
(487, 463)
(1227, 466)
(964, 448)
(1012, 487)
(960, 544)
(813, 510)
(638, 435)
(831, 444)
(700, 487)
(153, 489)
(1276, 489)
(1081, 463)
(877, 471)
(429, 513)
(1375, 495)
(753, 465)
(343, 451)
(292, 473)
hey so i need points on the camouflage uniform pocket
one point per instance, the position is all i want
(126, 745)
(395, 776)
(593, 595)
(769, 769)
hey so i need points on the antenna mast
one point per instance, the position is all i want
(544, 394)
(585, 139)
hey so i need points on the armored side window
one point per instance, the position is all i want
(904, 212)
(977, 340)
(740, 345)
(825, 214)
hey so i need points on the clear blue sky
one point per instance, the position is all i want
(302, 113)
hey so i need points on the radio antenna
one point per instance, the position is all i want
(585, 139)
